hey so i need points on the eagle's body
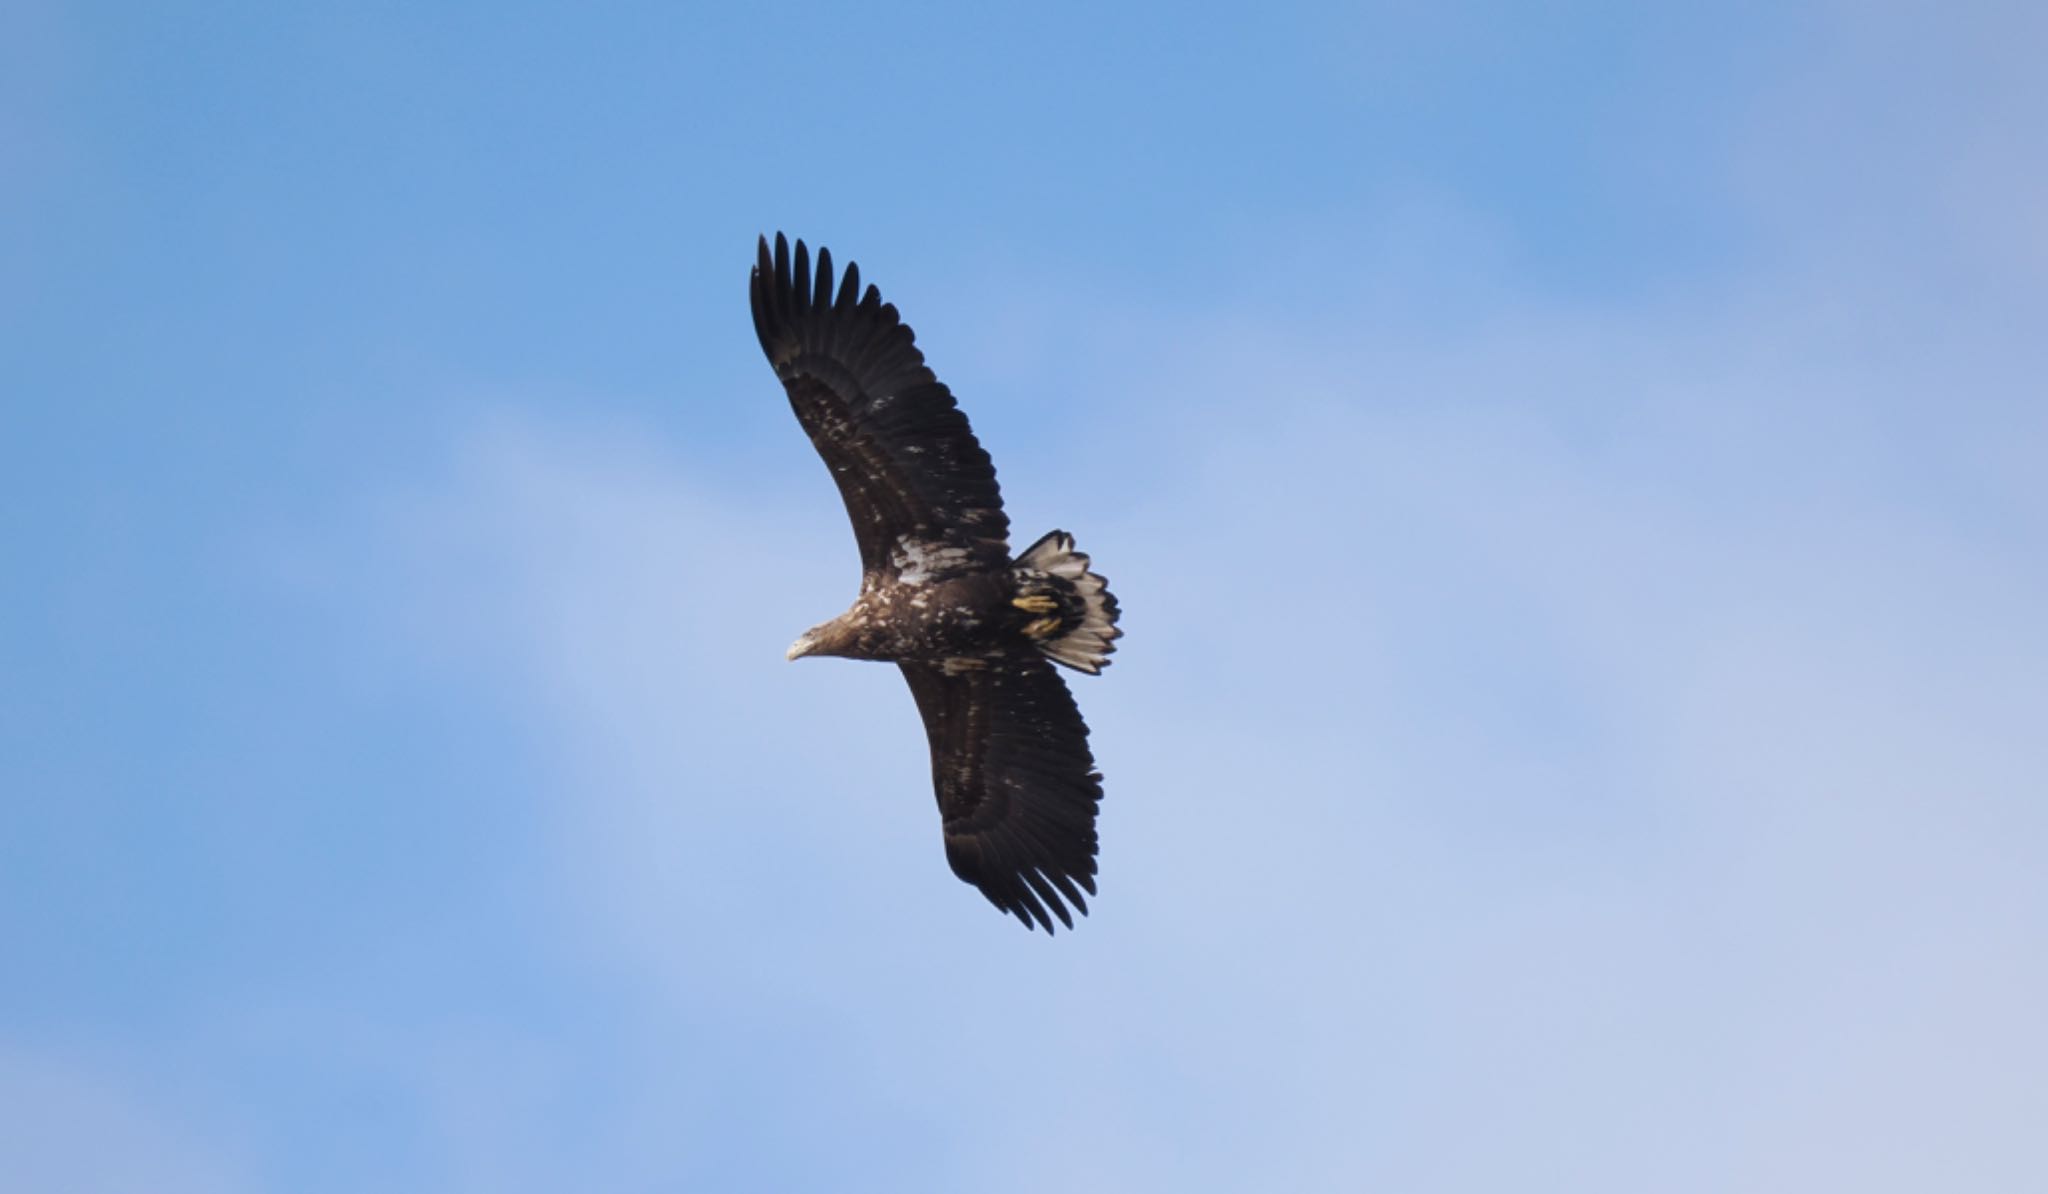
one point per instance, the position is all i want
(974, 630)
(959, 619)
(949, 620)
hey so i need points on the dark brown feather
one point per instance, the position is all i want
(906, 462)
(1016, 784)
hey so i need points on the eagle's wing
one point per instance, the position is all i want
(1017, 787)
(917, 484)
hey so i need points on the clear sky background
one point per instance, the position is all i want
(1576, 475)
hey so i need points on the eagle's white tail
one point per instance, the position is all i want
(1087, 626)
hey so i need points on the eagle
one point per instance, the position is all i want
(975, 631)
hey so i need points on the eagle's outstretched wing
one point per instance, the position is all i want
(914, 478)
(1017, 787)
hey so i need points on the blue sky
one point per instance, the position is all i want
(1574, 477)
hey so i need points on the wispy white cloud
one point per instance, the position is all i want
(1563, 744)
(1576, 729)
(70, 1122)
(1560, 749)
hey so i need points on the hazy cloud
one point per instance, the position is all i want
(1578, 746)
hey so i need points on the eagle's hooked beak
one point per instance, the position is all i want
(802, 647)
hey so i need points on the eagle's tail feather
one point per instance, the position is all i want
(1087, 630)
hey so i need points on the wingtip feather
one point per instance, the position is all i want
(800, 281)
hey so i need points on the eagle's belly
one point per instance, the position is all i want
(964, 616)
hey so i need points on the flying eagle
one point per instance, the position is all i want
(974, 630)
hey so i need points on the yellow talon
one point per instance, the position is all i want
(1039, 604)
(1042, 627)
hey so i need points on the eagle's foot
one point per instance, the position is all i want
(1038, 603)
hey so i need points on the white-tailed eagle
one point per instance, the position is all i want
(975, 631)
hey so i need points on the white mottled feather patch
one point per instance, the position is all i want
(920, 561)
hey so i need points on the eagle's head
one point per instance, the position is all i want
(840, 636)
(859, 633)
